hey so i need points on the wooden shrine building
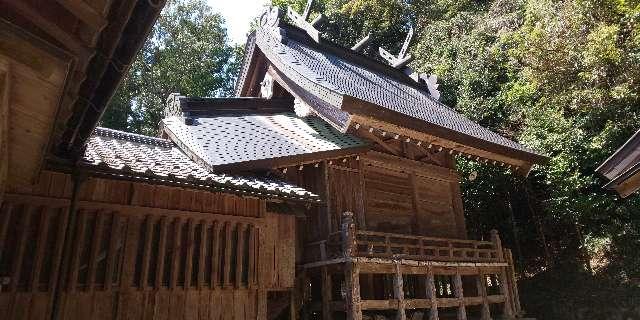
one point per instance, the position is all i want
(326, 189)
(622, 168)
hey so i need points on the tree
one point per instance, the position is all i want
(559, 76)
(187, 52)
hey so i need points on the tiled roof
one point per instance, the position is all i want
(228, 140)
(159, 159)
(334, 74)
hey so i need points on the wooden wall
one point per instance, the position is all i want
(389, 194)
(141, 251)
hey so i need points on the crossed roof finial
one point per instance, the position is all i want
(301, 21)
(402, 59)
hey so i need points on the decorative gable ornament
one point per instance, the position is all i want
(266, 87)
(430, 80)
(270, 20)
(300, 21)
(402, 59)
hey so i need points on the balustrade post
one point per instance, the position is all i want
(348, 235)
(497, 245)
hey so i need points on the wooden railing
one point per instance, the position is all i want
(350, 242)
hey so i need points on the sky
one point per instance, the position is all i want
(238, 14)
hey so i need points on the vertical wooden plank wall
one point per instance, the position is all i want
(153, 252)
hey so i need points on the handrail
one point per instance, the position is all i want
(406, 236)
(350, 242)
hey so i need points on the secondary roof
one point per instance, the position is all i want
(131, 156)
(246, 134)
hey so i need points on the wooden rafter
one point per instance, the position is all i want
(84, 12)
(383, 143)
(70, 40)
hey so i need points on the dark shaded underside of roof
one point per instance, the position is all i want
(333, 74)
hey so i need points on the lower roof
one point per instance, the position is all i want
(136, 157)
(258, 141)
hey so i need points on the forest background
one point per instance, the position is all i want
(562, 77)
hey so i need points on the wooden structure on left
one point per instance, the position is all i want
(326, 189)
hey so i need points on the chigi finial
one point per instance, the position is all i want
(402, 59)
(301, 21)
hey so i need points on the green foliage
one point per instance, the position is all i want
(187, 52)
(562, 77)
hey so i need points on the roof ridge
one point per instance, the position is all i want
(133, 137)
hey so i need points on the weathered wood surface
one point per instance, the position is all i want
(135, 194)
(132, 261)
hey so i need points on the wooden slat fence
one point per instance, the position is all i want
(126, 262)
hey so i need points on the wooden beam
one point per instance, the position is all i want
(416, 129)
(95, 249)
(5, 88)
(41, 244)
(65, 37)
(326, 293)
(373, 137)
(83, 11)
(162, 243)
(239, 254)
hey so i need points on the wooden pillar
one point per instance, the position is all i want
(513, 285)
(482, 290)
(352, 286)
(326, 293)
(457, 283)
(497, 245)
(293, 304)
(348, 234)
(431, 295)
(504, 290)
(398, 291)
(262, 304)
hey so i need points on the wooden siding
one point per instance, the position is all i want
(386, 193)
(59, 185)
(140, 252)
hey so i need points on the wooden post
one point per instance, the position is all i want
(431, 294)
(348, 235)
(398, 291)
(513, 285)
(482, 289)
(497, 245)
(504, 290)
(78, 179)
(326, 293)
(262, 304)
(457, 283)
(293, 304)
(352, 286)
